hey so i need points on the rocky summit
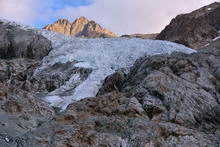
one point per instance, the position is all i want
(81, 27)
(195, 29)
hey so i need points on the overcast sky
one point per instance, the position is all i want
(120, 16)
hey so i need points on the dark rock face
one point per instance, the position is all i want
(195, 29)
(143, 36)
(113, 82)
(18, 43)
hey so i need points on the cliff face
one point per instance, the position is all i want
(81, 27)
(195, 29)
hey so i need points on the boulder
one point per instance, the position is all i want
(19, 43)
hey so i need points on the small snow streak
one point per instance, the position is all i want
(216, 38)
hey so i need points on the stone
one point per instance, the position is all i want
(113, 82)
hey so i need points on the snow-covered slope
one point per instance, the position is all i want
(103, 56)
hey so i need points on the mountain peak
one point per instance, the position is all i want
(82, 18)
(195, 29)
(81, 27)
(62, 21)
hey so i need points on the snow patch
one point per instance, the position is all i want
(216, 38)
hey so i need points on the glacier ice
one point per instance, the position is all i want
(104, 56)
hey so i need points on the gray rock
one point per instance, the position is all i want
(19, 43)
(53, 77)
(113, 82)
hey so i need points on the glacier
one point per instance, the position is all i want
(103, 56)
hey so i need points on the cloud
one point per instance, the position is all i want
(25, 11)
(133, 16)
(120, 16)
(17, 11)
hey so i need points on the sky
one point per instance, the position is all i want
(119, 16)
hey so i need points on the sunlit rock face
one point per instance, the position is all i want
(195, 29)
(81, 27)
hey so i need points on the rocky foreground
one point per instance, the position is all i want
(165, 100)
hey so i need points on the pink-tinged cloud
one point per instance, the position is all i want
(120, 16)
(134, 16)
(25, 11)
(17, 10)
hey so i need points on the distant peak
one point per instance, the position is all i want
(81, 19)
(81, 27)
(62, 21)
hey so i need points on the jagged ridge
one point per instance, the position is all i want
(81, 27)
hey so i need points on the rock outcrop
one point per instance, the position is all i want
(143, 36)
(195, 29)
(21, 110)
(18, 43)
(81, 27)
